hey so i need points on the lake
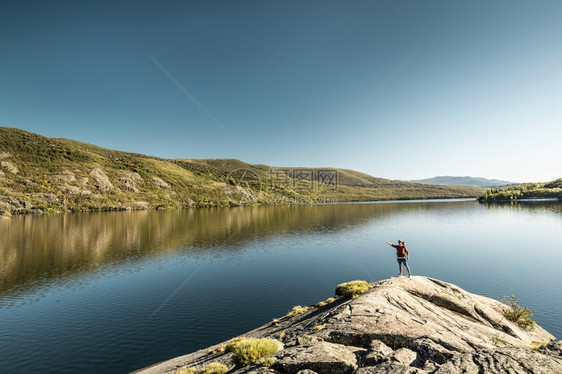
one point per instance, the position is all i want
(114, 292)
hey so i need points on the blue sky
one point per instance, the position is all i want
(396, 89)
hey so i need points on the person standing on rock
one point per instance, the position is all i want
(401, 254)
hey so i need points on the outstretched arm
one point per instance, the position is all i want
(392, 245)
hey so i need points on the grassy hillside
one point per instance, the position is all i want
(547, 190)
(40, 174)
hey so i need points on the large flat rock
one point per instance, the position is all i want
(401, 325)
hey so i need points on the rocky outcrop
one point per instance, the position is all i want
(101, 181)
(65, 176)
(130, 180)
(8, 166)
(159, 182)
(401, 325)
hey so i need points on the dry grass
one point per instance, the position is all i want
(212, 368)
(215, 368)
(325, 302)
(319, 327)
(352, 289)
(217, 349)
(298, 310)
(248, 351)
(267, 361)
(185, 370)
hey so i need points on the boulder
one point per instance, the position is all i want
(377, 353)
(321, 357)
(65, 176)
(158, 182)
(8, 166)
(101, 181)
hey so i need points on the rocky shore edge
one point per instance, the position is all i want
(399, 325)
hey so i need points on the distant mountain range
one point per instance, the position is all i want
(462, 181)
(40, 174)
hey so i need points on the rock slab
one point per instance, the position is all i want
(401, 325)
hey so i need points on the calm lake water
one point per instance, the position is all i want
(114, 292)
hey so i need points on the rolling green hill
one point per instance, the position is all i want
(548, 190)
(41, 174)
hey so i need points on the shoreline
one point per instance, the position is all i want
(136, 209)
(546, 199)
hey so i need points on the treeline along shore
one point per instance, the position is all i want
(528, 191)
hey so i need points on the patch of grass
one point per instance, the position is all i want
(234, 342)
(185, 370)
(325, 302)
(496, 340)
(351, 290)
(518, 314)
(282, 335)
(319, 327)
(212, 368)
(215, 368)
(267, 361)
(248, 351)
(217, 349)
(275, 322)
(298, 310)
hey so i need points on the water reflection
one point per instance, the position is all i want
(35, 250)
(534, 206)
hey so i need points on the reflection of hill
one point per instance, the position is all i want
(36, 249)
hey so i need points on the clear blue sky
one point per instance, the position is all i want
(454, 88)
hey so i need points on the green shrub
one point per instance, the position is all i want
(518, 314)
(352, 289)
(248, 351)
